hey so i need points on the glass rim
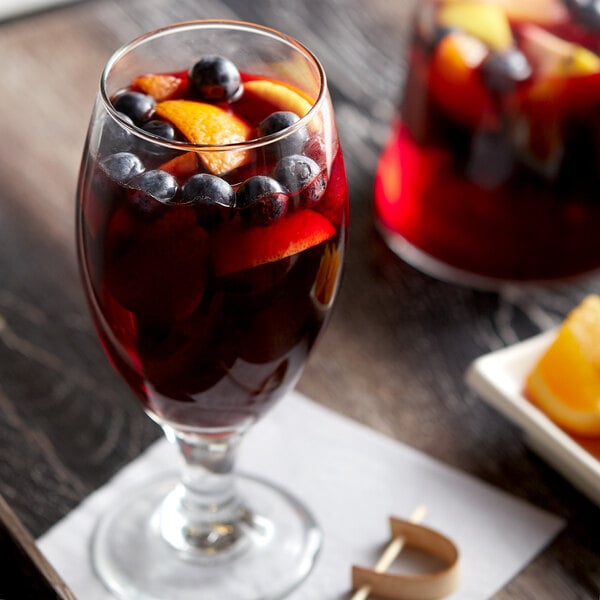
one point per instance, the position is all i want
(213, 24)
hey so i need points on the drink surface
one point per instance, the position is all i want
(492, 165)
(211, 273)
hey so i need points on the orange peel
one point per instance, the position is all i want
(203, 123)
(279, 95)
(160, 87)
(237, 250)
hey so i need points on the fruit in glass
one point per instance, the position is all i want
(212, 222)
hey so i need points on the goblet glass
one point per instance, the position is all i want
(212, 220)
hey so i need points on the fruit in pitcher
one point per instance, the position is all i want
(541, 12)
(455, 82)
(484, 20)
(553, 56)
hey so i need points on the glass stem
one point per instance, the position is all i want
(204, 515)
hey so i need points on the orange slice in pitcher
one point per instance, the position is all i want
(203, 123)
(565, 383)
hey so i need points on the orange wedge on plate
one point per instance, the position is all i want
(203, 123)
(565, 383)
(280, 96)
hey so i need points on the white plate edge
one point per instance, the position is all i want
(485, 376)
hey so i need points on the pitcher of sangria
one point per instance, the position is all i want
(492, 171)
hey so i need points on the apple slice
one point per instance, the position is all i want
(485, 21)
(279, 95)
(541, 12)
(160, 87)
(241, 248)
(568, 80)
(455, 83)
(554, 56)
(203, 123)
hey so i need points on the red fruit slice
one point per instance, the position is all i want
(158, 270)
(403, 177)
(241, 248)
(566, 95)
(455, 82)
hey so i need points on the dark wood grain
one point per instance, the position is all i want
(398, 344)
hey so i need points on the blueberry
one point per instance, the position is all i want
(211, 195)
(214, 78)
(585, 12)
(278, 121)
(503, 70)
(151, 190)
(301, 176)
(160, 129)
(137, 106)
(122, 166)
(115, 137)
(208, 189)
(157, 184)
(262, 200)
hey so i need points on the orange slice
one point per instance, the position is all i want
(281, 96)
(328, 274)
(485, 21)
(182, 167)
(565, 383)
(236, 250)
(160, 87)
(203, 123)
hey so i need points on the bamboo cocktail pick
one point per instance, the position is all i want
(429, 586)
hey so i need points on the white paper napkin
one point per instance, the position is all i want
(353, 479)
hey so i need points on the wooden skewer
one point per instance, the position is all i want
(390, 554)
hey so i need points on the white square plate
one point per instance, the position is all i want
(499, 378)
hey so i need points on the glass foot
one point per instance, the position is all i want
(276, 552)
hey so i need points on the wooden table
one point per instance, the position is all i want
(396, 350)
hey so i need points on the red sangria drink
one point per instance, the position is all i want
(212, 221)
(492, 169)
